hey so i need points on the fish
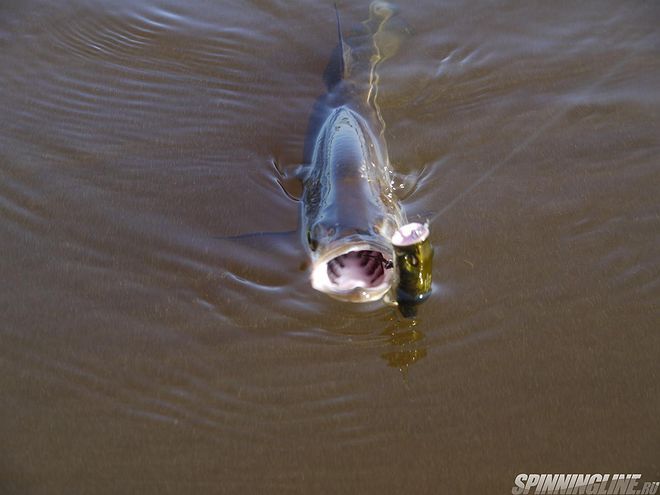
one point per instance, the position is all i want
(349, 208)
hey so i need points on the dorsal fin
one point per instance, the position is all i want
(344, 60)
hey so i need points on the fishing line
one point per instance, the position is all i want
(529, 140)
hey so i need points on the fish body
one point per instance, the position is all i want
(349, 211)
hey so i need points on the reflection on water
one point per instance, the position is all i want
(406, 343)
(148, 345)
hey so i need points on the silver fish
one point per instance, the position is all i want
(349, 211)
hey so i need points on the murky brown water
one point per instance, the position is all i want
(142, 353)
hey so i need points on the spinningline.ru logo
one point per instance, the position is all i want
(587, 484)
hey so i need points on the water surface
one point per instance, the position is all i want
(141, 351)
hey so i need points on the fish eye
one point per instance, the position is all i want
(322, 230)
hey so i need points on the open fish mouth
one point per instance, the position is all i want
(354, 272)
